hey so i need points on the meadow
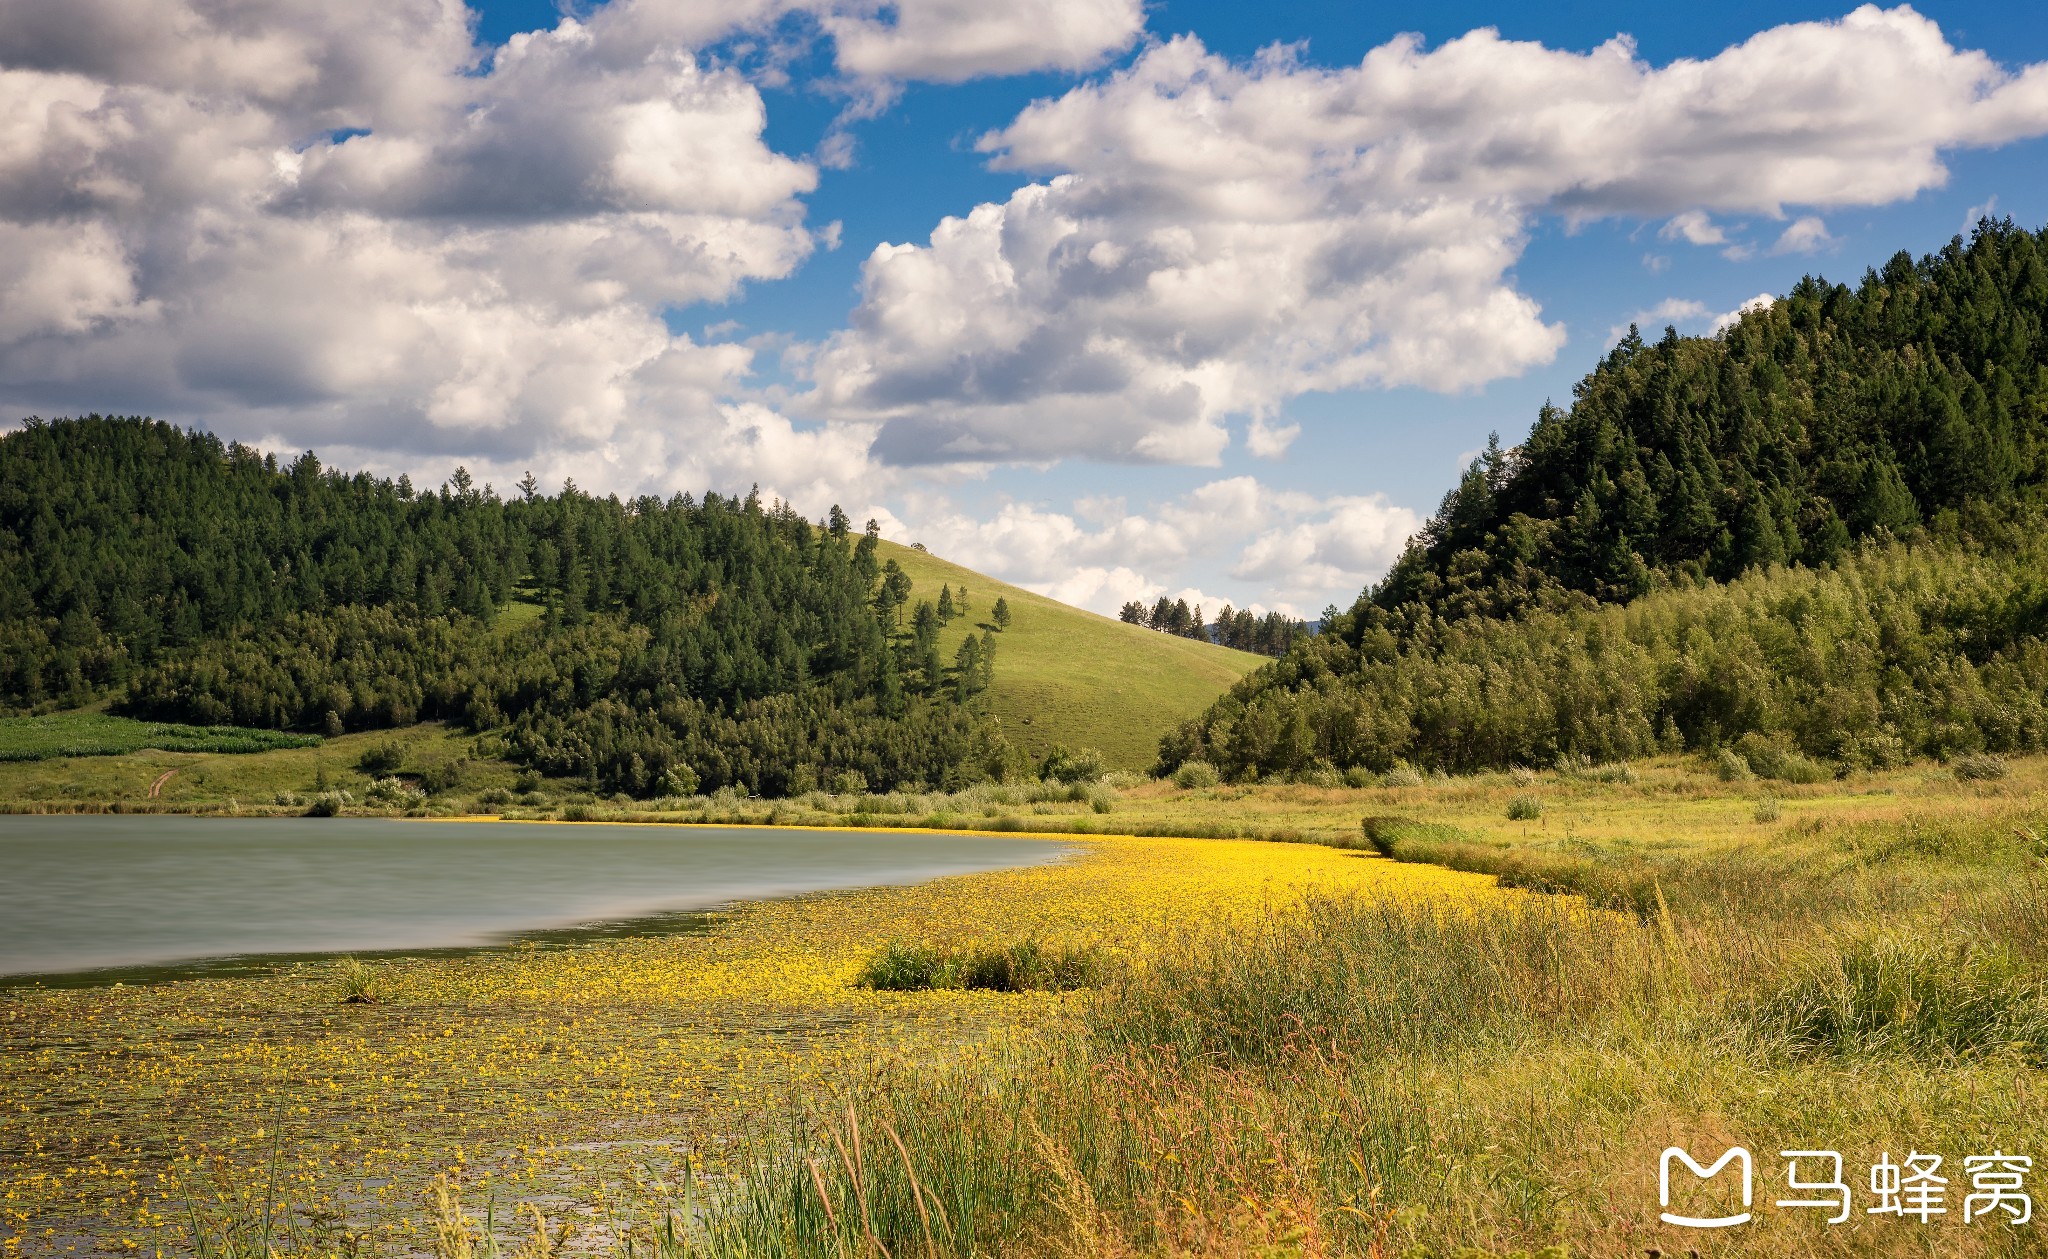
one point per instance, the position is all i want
(1333, 1044)
(100, 734)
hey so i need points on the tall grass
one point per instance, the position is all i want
(1362, 1076)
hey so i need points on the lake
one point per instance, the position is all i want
(81, 893)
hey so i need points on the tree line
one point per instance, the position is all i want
(1240, 628)
(640, 644)
(1662, 564)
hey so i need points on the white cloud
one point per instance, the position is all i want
(1695, 228)
(1762, 301)
(331, 226)
(1976, 213)
(350, 226)
(1674, 311)
(946, 41)
(1213, 237)
(1292, 551)
(1806, 235)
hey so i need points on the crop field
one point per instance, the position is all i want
(1334, 1044)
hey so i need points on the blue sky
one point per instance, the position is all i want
(1228, 292)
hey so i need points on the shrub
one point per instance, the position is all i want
(681, 780)
(1612, 772)
(446, 776)
(327, 804)
(1524, 808)
(1730, 766)
(1522, 775)
(1379, 833)
(395, 791)
(1979, 767)
(1196, 774)
(526, 783)
(1768, 810)
(1020, 966)
(848, 782)
(1119, 779)
(1063, 765)
(1323, 774)
(1574, 763)
(380, 759)
(576, 813)
(1360, 776)
(1770, 759)
(1402, 774)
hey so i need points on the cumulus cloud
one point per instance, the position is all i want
(946, 41)
(1805, 235)
(1674, 311)
(1293, 552)
(353, 227)
(1214, 237)
(1762, 301)
(1694, 227)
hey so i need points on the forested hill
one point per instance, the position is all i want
(1917, 397)
(649, 645)
(1809, 535)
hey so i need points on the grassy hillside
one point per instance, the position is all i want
(1068, 676)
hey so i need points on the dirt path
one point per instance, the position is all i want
(158, 785)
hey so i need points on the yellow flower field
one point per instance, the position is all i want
(546, 1071)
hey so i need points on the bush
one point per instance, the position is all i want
(1062, 765)
(849, 782)
(1524, 808)
(395, 791)
(1379, 833)
(380, 759)
(1020, 966)
(1196, 774)
(1770, 759)
(1979, 767)
(446, 776)
(1730, 766)
(1402, 775)
(1360, 776)
(1768, 810)
(576, 813)
(1612, 772)
(327, 804)
(494, 796)
(681, 780)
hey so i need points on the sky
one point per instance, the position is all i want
(1107, 298)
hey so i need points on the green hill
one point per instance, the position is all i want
(1068, 676)
(1812, 540)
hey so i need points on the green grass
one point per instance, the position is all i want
(1066, 676)
(97, 734)
(214, 779)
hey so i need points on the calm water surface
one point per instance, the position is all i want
(86, 892)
